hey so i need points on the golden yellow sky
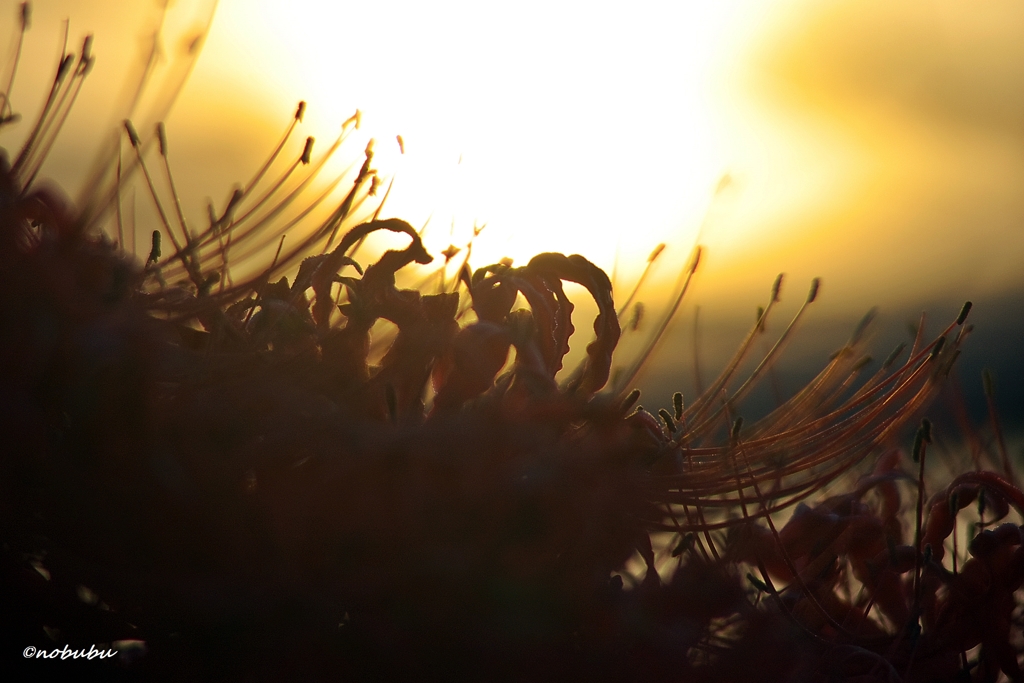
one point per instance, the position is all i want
(579, 127)
(878, 144)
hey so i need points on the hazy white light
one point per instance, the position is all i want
(581, 127)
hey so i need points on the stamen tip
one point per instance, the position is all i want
(963, 313)
(986, 382)
(815, 284)
(133, 135)
(161, 135)
(656, 252)
(736, 426)
(777, 287)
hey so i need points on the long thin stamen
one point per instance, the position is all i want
(66, 101)
(63, 68)
(162, 139)
(640, 281)
(217, 230)
(117, 204)
(703, 403)
(194, 274)
(749, 383)
(300, 111)
(993, 415)
(681, 288)
(7, 114)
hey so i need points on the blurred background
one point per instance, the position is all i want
(877, 145)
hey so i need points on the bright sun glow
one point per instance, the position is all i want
(575, 127)
(591, 128)
(605, 129)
